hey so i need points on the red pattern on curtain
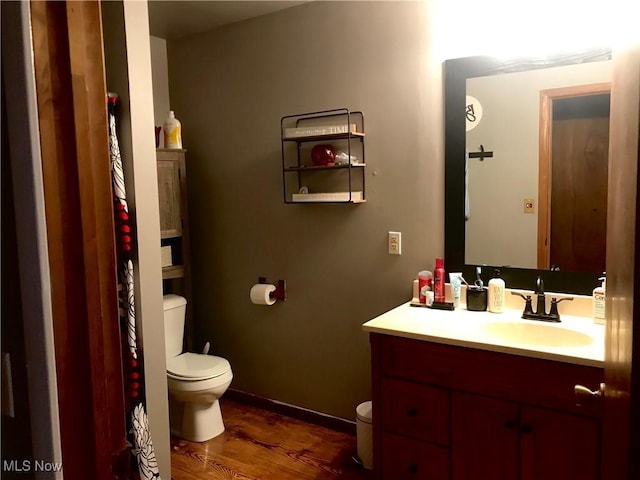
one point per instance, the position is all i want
(138, 434)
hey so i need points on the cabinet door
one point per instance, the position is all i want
(414, 410)
(558, 445)
(484, 438)
(169, 198)
(407, 459)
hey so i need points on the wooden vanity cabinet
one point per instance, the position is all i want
(491, 435)
(486, 438)
(448, 412)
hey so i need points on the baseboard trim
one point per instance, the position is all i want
(293, 411)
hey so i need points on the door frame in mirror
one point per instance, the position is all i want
(456, 73)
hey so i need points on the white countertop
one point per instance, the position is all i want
(505, 332)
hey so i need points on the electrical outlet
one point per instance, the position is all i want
(529, 205)
(395, 243)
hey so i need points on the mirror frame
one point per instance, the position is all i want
(456, 73)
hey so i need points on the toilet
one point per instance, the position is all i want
(196, 381)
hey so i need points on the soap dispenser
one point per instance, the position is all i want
(496, 293)
(599, 302)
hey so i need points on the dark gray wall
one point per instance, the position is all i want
(229, 88)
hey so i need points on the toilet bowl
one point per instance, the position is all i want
(195, 381)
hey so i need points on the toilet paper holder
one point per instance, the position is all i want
(280, 293)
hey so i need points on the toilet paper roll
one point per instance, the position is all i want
(260, 294)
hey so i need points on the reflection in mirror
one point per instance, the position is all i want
(526, 177)
(533, 204)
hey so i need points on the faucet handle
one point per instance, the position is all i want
(528, 308)
(556, 301)
(520, 295)
(554, 305)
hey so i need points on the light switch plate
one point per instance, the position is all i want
(395, 243)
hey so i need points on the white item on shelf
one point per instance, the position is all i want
(165, 256)
(343, 158)
(172, 129)
(327, 197)
(318, 130)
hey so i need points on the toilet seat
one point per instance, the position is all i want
(196, 366)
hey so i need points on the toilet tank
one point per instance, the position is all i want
(174, 307)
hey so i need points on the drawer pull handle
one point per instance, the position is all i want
(413, 468)
(412, 412)
(584, 395)
(526, 429)
(510, 424)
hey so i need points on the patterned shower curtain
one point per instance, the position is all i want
(138, 434)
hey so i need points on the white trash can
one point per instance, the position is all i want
(364, 434)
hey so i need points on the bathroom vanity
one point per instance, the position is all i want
(473, 395)
(478, 396)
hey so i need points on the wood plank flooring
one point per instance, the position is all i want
(261, 445)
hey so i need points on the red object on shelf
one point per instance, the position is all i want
(323, 155)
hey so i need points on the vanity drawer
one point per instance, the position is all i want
(407, 459)
(415, 410)
(512, 377)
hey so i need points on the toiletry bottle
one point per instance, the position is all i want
(496, 293)
(172, 131)
(416, 291)
(455, 282)
(425, 284)
(438, 281)
(599, 302)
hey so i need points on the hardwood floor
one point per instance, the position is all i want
(261, 445)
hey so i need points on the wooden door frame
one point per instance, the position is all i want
(544, 163)
(621, 430)
(72, 118)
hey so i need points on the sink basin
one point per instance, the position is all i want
(537, 334)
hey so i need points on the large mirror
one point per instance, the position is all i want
(526, 145)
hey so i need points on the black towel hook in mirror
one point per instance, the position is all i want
(482, 154)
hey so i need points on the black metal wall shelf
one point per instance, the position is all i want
(327, 136)
(306, 168)
(305, 182)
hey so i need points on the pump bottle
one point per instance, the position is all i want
(495, 295)
(599, 295)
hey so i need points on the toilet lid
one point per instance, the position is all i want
(197, 366)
